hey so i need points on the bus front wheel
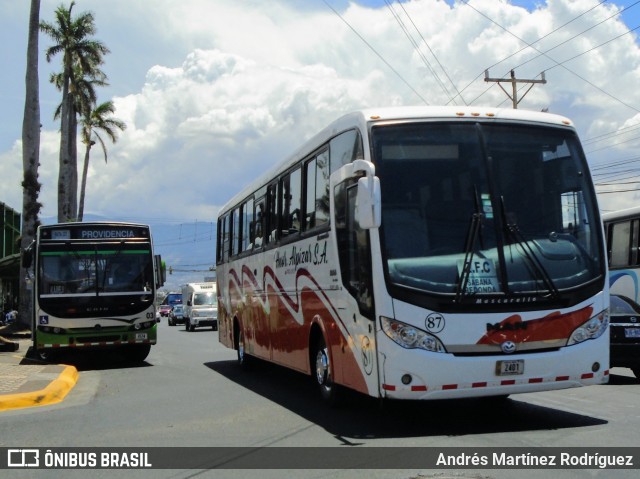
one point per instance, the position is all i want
(46, 355)
(137, 353)
(329, 391)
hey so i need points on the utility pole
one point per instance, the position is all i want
(514, 81)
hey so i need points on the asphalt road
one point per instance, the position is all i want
(190, 392)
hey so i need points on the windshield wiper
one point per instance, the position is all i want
(469, 247)
(514, 233)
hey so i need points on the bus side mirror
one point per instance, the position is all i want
(161, 271)
(368, 202)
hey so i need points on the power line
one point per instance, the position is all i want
(527, 45)
(620, 131)
(574, 37)
(553, 60)
(376, 52)
(419, 51)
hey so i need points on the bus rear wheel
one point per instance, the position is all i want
(244, 360)
(329, 391)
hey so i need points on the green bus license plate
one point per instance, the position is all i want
(510, 368)
(141, 336)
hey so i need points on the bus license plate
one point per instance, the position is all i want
(141, 336)
(632, 332)
(510, 368)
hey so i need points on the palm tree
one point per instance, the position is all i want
(30, 159)
(70, 38)
(94, 121)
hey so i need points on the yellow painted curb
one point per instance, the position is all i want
(54, 393)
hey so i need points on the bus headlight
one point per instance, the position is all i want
(592, 329)
(410, 337)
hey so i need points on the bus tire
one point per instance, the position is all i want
(137, 353)
(636, 371)
(244, 359)
(329, 391)
(46, 355)
(187, 325)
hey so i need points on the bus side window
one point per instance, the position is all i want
(345, 148)
(223, 239)
(271, 221)
(620, 244)
(291, 190)
(259, 226)
(322, 188)
(247, 223)
(235, 232)
(310, 206)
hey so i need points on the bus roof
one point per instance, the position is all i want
(82, 224)
(361, 119)
(632, 212)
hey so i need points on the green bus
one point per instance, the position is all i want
(94, 287)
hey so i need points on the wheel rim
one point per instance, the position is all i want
(241, 347)
(322, 367)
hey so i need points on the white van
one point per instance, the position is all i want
(200, 305)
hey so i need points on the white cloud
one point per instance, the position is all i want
(220, 91)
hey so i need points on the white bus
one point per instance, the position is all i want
(422, 253)
(94, 287)
(622, 229)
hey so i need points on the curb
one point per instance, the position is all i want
(54, 393)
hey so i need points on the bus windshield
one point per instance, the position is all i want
(74, 279)
(475, 210)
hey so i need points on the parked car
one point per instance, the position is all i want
(625, 333)
(176, 316)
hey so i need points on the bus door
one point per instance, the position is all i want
(356, 307)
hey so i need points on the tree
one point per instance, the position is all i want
(70, 36)
(30, 159)
(93, 122)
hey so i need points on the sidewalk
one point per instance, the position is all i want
(28, 382)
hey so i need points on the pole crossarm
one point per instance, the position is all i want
(514, 82)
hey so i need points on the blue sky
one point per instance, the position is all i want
(216, 92)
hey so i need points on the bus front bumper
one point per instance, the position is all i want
(46, 338)
(418, 374)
